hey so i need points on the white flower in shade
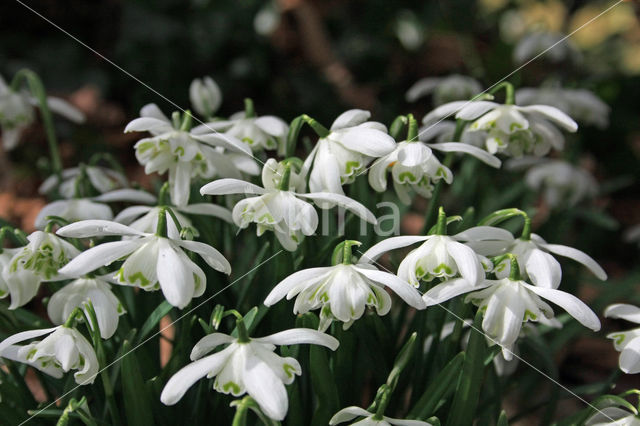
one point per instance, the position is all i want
(23, 269)
(614, 416)
(340, 156)
(559, 182)
(370, 419)
(249, 367)
(581, 104)
(278, 206)
(444, 89)
(342, 292)
(556, 48)
(152, 261)
(414, 166)
(439, 256)
(510, 129)
(101, 178)
(145, 218)
(182, 153)
(632, 234)
(626, 342)
(205, 96)
(17, 112)
(75, 294)
(76, 209)
(64, 349)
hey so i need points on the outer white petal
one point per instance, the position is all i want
(350, 118)
(578, 256)
(367, 141)
(24, 335)
(389, 244)
(349, 413)
(630, 357)
(443, 111)
(475, 109)
(404, 422)
(574, 306)
(208, 343)
(553, 114)
(272, 125)
(292, 281)
(208, 210)
(467, 262)
(266, 388)
(485, 233)
(297, 336)
(65, 109)
(450, 289)
(421, 88)
(127, 195)
(343, 201)
(97, 228)
(148, 124)
(474, 151)
(213, 257)
(129, 214)
(226, 141)
(100, 255)
(231, 186)
(623, 311)
(176, 279)
(400, 287)
(543, 269)
(152, 110)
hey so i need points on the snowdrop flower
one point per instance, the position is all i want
(279, 206)
(556, 48)
(510, 129)
(246, 365)
(632, 234)
(76, 209)
(626, 342)
(75, 294)
(343, 291)
(182, 153)
(205, 96)
(102, 180)
(152, 261)
(23, 269)
(581, 104)
(370, 419)
(64, 349)
(17, 112)
(508, 302)
(267, 19)
(444, 89)
(409, 30)
(345, 150)
(614, 416)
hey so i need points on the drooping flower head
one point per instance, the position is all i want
(350, 413)
(447, 89)
(626, 342)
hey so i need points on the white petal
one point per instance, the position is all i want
(176, 279)
(266, 388)
(24, 335)
(630, 357)
(231, 186)
(467, 262)
(292, 281)
(298, 336)
(443, 111)
(65, 109)
(343, 201)
(213, 257)
(272, 125)
(367, 141)
(350, 118)
(623, 311)
(152, 110)
(474, 151)
(578, 256)
(127, 195)
(129, 214)
(209, 343)
(96, 228)
(226, 141)
(389, 244)
(147, 124)
(450, 289)
(574, 306)
(421, 88)
(402, 288)
(100, 255)
(485, 233)
(349, 413)
(208, 210)
(543, 269)
(553, 114)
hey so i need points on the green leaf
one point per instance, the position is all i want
(137, 401)
(502, 420)
(443, 384)
(151, 323)
(500, 216)
(467, 394)
(397, 126)
(292, 136)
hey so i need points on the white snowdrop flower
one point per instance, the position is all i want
(17, 112)
(145, 218)
(632, 234)
(64, 349)
(267, 19)
(205, 96)
(152, 261)
(184, 154)
(338, 157)
(409, 30)
(451, 88)
(101, 178)
(581, 104)
(278, 206)
(510, 129)
(614, 416)
(23, 269)
(246, 365)
(370, 419)
(626, 342)
(556, 48)
(343, 291)
(75, 295)
(76, 209)
(508, 302)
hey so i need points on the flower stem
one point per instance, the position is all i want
(161, 227)
(162, 195)
(412, 131)
(187, 121)
(286, 178)
(526, 230)
(317, 127)
(71, 319)
(514, 272)
(509, 95)
(441, 225)
(243, 334)
(249, 109)
(342, 253)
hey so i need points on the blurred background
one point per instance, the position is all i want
(322, 57)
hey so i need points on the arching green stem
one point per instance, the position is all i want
(441, 225)
(249, 109)
(342, 253)
(187, 121)
(55, 220)
(161, 226)
(286, 178)
(412, 131)
(509, 93)
(162, 195)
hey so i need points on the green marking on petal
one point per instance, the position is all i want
(139, 276)
(407, 177)
(619, 338)
(231, 386)
(528, 315)
(289, 370)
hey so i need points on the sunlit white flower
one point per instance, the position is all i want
(101, 178)
(341, 155)
(510, 129)
(414, 166)
(205, 96)
(581, 104)
(17, 112)
(75, 295)
(560, 182)
(349, 413)
(182, 153)
(507, 303)
(626, 342)
(152, 261)
(342, 292)
(76, 209)
(64, 349)
(451, 88)
(556, 48)
(614, 416)
(278, 206)
(23, 269)
(249, 367)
